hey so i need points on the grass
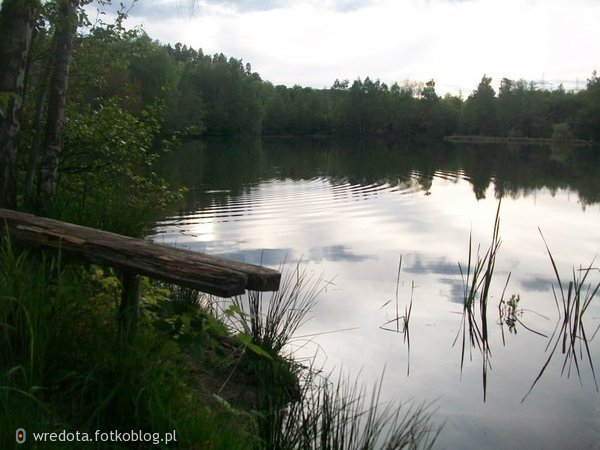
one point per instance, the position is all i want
(572, 301)
(272, 322)
(477, 278)
(404, 319)
(570, 336)
(321, 414)
(311, 411)
(342, 415)
(398, 319)
(62, 366)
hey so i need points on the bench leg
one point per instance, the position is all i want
(128, 309)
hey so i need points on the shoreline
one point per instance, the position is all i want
(514, 140)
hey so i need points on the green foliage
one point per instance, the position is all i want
(151, 67)
(114, 63)
(119, 81)
(181, 320)
(107, 177)
(523, 109)
(479, 112)
(213, 95)
(246, 341)
(186, 110)
(62, 366)
(586, 122)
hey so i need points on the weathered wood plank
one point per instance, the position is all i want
(206, 273)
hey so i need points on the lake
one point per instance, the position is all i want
(350, 210)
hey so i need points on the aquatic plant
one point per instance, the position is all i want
(477, 279)
(510, 314)
(321, 413)
(341, 415)
(570, 334)
(404, 319)
(398, 319)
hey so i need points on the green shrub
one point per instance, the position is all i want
(107, 176)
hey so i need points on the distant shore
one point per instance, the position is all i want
(514, 140)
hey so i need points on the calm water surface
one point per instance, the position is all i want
(349, 210)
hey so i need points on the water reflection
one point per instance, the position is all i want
(537, 284)
(227, 168)
(511, 315)
(438, 267)
(336, 253)
(349, 210)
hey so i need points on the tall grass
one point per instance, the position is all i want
(62, 366)
(273, 318)
(341, 414)
(570, 336)
(320, 414)
(477, 278)
(403, 320)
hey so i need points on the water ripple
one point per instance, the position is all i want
(317, 200)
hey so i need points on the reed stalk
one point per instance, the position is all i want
(569, 333)
(477, 278)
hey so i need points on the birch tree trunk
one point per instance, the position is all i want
(16, 29)
(64, 35)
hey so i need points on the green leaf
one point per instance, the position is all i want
(233, 310)
(246, 340)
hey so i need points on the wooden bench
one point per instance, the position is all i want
(135, 257)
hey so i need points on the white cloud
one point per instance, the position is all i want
(314, 42)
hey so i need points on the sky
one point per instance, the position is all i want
(454, 42)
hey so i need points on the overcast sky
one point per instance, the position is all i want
(313, 42)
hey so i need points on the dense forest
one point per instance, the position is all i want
(218, 96)
(126, 90)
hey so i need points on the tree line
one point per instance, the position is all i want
(147, 91)
(220, 96)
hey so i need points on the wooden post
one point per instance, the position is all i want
(128, 310)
